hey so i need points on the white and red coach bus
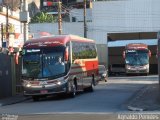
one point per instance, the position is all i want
(59, 64)
(136, 57)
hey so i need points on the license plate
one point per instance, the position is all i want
(42, 83)
(44, 91)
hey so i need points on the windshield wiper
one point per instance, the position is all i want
(28, 77)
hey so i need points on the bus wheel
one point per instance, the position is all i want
(91, 87)
(72, 89)
(35, 98)
(72, 94)
(145, 74)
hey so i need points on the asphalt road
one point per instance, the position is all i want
(107, 101)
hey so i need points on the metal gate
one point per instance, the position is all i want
(5, 76)
(10, 83)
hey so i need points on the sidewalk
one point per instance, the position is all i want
(146, 99)
(13, 100)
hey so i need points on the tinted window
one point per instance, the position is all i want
(83, 50)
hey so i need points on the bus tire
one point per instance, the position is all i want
(72, 94)
(35, 98)
(91, 87)
(127, 74)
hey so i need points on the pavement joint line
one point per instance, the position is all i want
(69, 113)
(135, 108)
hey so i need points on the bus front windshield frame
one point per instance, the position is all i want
(43, 62)
(137, 57)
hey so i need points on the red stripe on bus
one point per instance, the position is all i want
(90, 65)
(74, 67)
(88, 72)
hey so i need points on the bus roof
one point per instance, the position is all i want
(55, 40)
(123, 43)
(136, 46)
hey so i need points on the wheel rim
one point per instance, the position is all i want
(73, 90)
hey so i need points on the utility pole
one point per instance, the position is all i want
(59, 18)
(25, 30)
(59, 3)
(21, 9)
(2, 32)
(7, 21)
(85, 23)
(158, 55)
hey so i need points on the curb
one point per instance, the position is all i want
(14, 102)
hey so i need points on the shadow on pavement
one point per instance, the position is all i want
(146, 99)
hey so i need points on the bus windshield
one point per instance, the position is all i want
(137, 57)
(43, 63)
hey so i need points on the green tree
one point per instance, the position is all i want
(43, 17)
(13, 4)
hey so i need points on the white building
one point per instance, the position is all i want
(13, 18)
(17, 36)
(125, 16)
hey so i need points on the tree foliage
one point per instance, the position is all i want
(13, 4)
(43, 17)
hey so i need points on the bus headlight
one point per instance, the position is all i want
(59, 82)
(146, 67)
(128, 67)
(28, 85)
(104, 75)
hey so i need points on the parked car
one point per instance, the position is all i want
(102, 73)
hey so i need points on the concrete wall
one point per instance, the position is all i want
(126, 15)
(67, 28)
(78, 14)
(102, 54)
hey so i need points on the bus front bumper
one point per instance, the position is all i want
(137, 71)
(45, 89)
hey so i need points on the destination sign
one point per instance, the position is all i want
(130, 51)
(43, 43)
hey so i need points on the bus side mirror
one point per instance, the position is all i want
(124, 54)
(20, 53)
(66, 56)
(149, 53)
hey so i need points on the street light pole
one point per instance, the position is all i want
(59, 3)
(7, 35)
(85, 23)
(25, 30)
(158, 55)
(2, 34)
(59, 18)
